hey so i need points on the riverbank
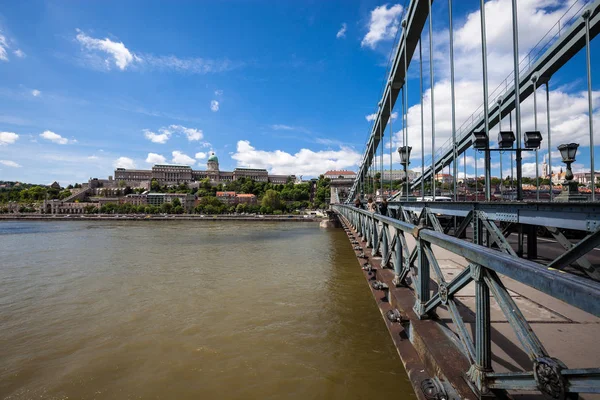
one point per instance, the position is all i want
(160, 217)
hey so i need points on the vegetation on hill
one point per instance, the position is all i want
(25, 193)
(271, 198)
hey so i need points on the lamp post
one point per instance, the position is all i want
(570, 191)
(404, 152)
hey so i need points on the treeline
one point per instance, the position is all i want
(272, 198)
(25, 193)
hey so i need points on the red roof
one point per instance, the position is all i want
(245, 195)
(225, 194)
(342, 172)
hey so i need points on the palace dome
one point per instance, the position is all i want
(213, 157)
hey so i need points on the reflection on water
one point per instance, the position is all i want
(198, 310)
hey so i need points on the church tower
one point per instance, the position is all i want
(212, 163)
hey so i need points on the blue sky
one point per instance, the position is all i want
(287, 86)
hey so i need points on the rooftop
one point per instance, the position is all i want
(172, 165)
(340, 172)
(251, 169)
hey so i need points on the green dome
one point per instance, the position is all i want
(213, 158)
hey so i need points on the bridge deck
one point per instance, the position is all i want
(567, 332)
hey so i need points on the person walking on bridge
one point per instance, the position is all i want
(371, 206)
(357, 203)
(383, 207)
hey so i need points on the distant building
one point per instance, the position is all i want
(226, 197)
(167, 174)
(341, 174)
(246, 198)
(135, 199)
(236, 198)
(158, 199)
(64, 207)
(395, 174)
(444, 178)
(585, 178)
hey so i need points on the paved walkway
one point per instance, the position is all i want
(566, 332)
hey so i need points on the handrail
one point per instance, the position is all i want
(484, 266)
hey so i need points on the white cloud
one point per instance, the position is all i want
(218, 92)
(304, 162)
(214, 106)
(281, 127)
(195, 65)
(342, 32)
(121, 56)
(54, 137)
(383, 25)
(181, 158)
(192, 134)
(19, 53)
(124, 162)
(35, 93)
(372, 117)
(200, 155)
(3, 47)
(154, 137)
(8, 138)
(154, 158)
(9, 163)
(165, 133)
(93, 158)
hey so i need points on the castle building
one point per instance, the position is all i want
(166, 174)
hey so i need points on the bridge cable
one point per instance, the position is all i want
(452, 101)
(535, 128)
(500, 132)
(512, 171)
(405, 111)
(515, 23)
(548, 172)
(487, 153)
(422, 131)
(432, 100)
(586, 16)
(465, 172)
(391, 144)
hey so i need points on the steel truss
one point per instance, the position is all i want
(557, 55)
(485, 219)
(413, 267)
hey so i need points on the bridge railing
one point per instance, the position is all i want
(388, 236)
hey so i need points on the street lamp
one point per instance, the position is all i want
(480, 140)
(570, 191)
(534, 139)
(404, 152)
(506, 139)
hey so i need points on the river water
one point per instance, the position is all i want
(188, 310)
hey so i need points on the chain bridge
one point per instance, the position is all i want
(485, 293)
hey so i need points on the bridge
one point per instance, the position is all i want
(491, 298)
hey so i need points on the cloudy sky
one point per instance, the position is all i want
(288, 86)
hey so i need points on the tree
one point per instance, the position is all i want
(154, 186)
(178, 209)
(176, 202)
(166, 208)
(271, 200)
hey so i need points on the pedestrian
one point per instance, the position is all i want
(371, 205)
(357, 203)
(383, 207)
